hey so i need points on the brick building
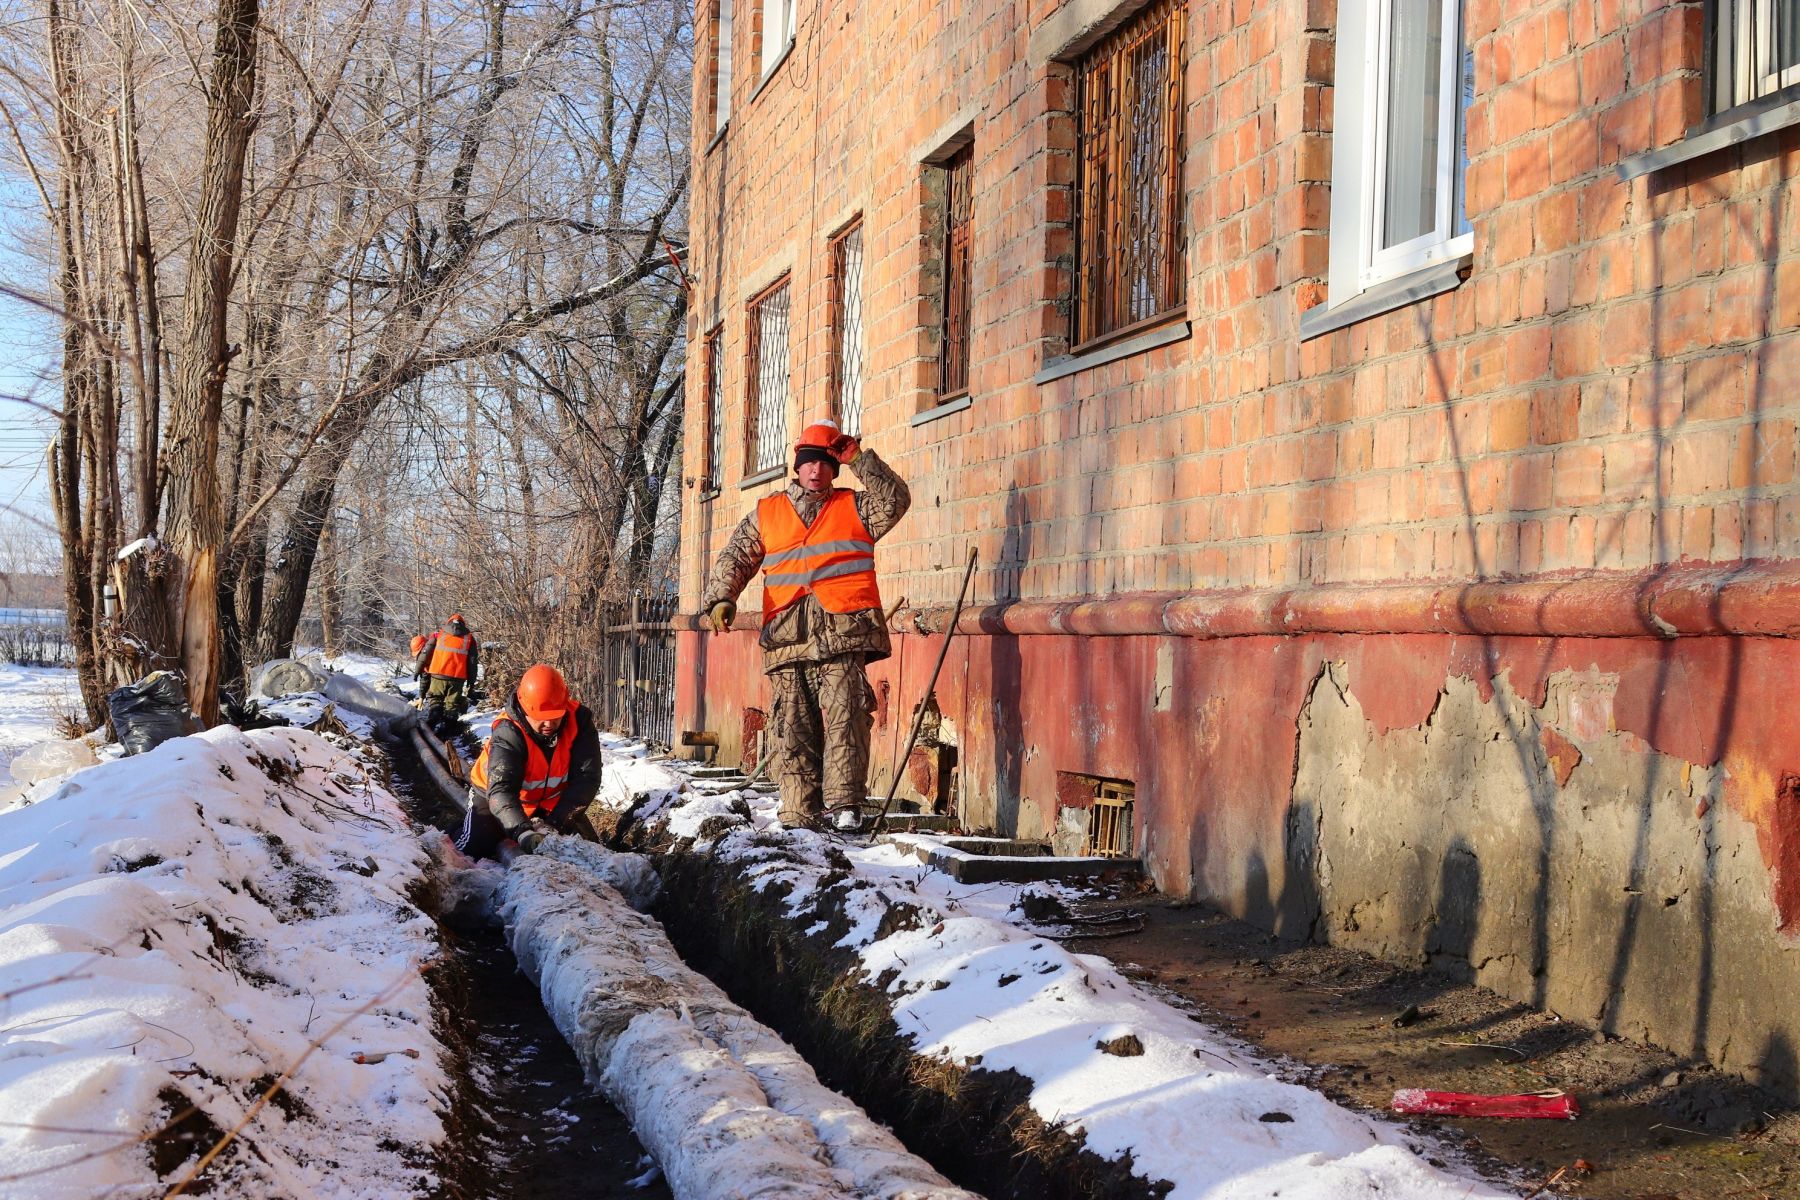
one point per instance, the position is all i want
(1375, 421)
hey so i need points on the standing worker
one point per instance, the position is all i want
(539, 769)
(822, 619)
(445, 668)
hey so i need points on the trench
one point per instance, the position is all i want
(525, 1123)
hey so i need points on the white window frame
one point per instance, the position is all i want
(778, 27)
(722, 70)
(1360, 155)
(1753, 75)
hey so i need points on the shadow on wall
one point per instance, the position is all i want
(1007, 668)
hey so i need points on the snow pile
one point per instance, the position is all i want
(31, 698)
(182, 930)
(285, 680)
(1120, 1068)
(727, 1108)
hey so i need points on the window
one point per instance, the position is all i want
(1130, 244)
(847, 329)
(719, 84)
(713, 469)
(1755, 50)
(1404, 79)
(765, 418)
(777, 31)
(959, 212)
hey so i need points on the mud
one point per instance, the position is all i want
(1653, 1126)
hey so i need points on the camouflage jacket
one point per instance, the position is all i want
(805, 632)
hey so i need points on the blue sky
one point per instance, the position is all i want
(28, 363)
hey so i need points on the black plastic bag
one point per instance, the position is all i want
(149, 712)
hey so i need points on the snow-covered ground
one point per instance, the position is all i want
(31, 701)
(184, 930)
(969, 985)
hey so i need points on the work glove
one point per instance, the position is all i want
(722, 615)
(844, 448)
(529, 841)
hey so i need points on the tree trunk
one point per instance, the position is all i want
(192, 506)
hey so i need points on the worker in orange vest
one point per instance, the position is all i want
(539, 769)
(822, 618)
(445, 667)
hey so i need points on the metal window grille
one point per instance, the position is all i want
(847, 329)
(1753, 50)
(713, 472)
(959, 213)
(765, 422)
(1130, 242)
(1109, 821)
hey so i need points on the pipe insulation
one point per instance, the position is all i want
(432, 756)
(727, 1108)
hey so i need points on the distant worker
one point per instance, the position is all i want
(822, 618)
(539, 769)
(418, 644)
(445, 666)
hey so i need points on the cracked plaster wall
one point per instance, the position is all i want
(1550, 856)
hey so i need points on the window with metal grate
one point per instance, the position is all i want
(1131, 257)
(713, 469)
(847, 329)
(959, 222)
(765, 418)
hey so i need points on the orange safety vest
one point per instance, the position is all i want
(834, 558)
(545, 778)
(451, 657)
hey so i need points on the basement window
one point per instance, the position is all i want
(1110, 819)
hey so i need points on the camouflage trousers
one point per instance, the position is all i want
(823, 712)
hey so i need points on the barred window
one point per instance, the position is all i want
(1130, 243)
(847, 329)
(713, 470)
(959, 212)
(765, 419)
(1755, 50)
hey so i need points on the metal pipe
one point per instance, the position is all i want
(930, 687)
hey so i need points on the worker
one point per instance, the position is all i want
(445, 667)
(822, 618)
(539, 769)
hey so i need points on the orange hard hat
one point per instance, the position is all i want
(456, 619)
(418, 642)
(544, 694)
(820, 434)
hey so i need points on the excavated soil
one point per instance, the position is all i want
(1652, 1127)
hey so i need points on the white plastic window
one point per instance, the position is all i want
(777, 31)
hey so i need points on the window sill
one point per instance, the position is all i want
(707, 494)
(762, 477)
(1701, 141)
(1410, 288)
(717, 138)
(947, 408)
(769, 74)
(1151, 339)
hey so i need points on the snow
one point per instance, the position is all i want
(182, 928)
(31, 699)
(969, 986)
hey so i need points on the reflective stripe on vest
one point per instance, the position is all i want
(834, 558)
(451, 656)
(545, 776)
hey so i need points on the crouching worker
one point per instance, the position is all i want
(539, 768)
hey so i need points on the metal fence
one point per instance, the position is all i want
(637, 692)
(35, 637)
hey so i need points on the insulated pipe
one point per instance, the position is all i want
(726, 1107)
(432, 756)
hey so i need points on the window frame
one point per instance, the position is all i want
(1356, 263)
(1734, 79)
(720, 84)
(769, 56)
(847, 303)
(956, 307)
(1104, 304)
(713, 448)
(755, 402)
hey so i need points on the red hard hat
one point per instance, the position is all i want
(820, 435)
(544, 694)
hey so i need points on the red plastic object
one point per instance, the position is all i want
(1552, 1105)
